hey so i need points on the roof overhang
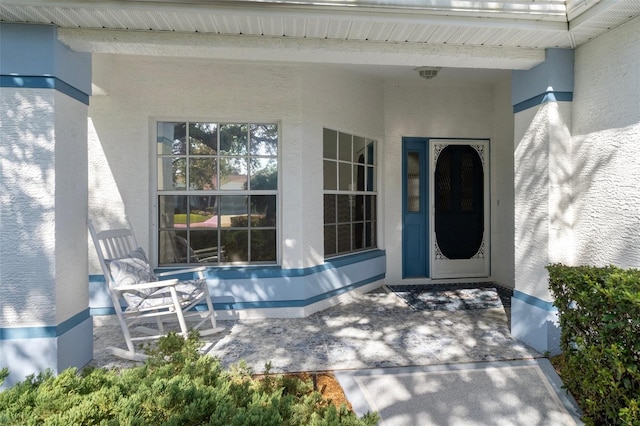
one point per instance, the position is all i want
(448, 33)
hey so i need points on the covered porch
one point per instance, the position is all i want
(92, 114)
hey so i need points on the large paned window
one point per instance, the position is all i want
(217, 192)
(350, 171)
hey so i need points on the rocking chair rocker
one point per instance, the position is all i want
(149, 302)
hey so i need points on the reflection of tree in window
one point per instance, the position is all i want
(233, 139)
(202, 173)
(263, 210)
(264, 139)
(264, 174)
(203, 138)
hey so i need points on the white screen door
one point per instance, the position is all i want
(459, 208)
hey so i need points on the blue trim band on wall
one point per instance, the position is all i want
(230, 273)
(272, 303)
(543, 99)
(272, 272)
(534, 301)
(43, 82)
(296, 303)
(46, 332)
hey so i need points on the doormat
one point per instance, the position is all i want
(453, 297)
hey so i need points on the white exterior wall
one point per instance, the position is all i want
(302, 98)
(502, 198)
(606, 140)
(42, 206)
(450, 112)
(543, 211)
(543, 218)
(72, 293)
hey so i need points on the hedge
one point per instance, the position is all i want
(599, 312)
(175, 386)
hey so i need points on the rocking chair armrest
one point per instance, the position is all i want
(154, 284)
(182, 271)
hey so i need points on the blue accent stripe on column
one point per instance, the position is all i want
(47, 332)
(43, 82)
(543, 99)
(72, 322)
(534, 301)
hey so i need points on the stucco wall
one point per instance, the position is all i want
(44, 316)
(27, 206)
(606, 141)
(72, 293)
(450, 112)
(303, 99)
(543, 214)
(42, 206)
(42, 177)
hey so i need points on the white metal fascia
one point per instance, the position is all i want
(555, 9)
(544, 19)
(292, 50)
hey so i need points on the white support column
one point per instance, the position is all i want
(44, 96)
(542, 100)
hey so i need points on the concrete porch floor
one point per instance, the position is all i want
(375, 329)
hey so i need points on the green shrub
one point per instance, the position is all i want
(600, 320)
(175, 386)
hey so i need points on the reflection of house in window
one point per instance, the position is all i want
(233, 182)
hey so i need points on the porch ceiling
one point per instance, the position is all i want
(447, 33)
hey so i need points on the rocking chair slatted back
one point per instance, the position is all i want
(159, 301)
(112, 244)
(117, 244)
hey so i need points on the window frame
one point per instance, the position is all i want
(345, 188)
(155, 211)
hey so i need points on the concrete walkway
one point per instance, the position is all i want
(519, 392)
(413, 367)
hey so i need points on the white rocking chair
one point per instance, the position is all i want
(149, 301)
